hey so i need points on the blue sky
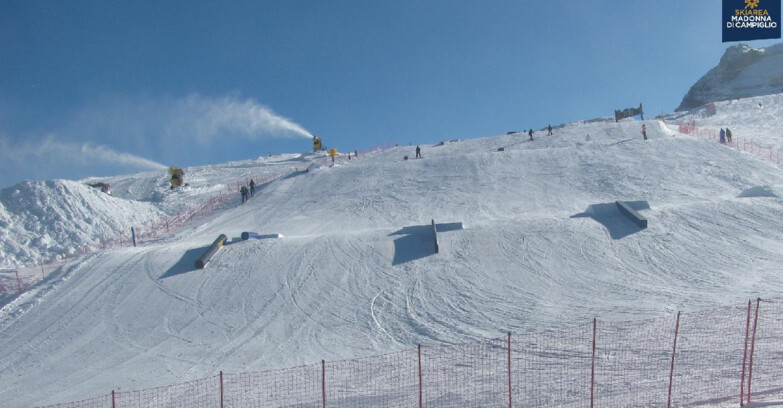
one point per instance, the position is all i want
(97, 88)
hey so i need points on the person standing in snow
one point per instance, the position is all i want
(644, 131)
(252, 187)
(549, 128)
(418, 152)
(728, 135)
(722, 136)
(243, 191)
(530, 133)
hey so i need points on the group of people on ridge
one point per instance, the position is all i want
(247, 193)
(548, 128)
(725, 135)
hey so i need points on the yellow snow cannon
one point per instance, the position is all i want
(177, 177)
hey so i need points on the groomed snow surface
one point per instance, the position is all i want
(355, 274)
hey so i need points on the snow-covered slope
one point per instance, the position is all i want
(356, 273)
(41, 220)
(743, 72)
(759, 119)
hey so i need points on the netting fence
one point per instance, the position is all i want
(25, 278)
(744, 144)
(727, 356)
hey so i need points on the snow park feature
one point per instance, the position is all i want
(435, 237)
(627, 210)
(211, 251)
(247, 235)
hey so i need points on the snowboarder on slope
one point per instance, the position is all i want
(418, 152)
(530, 133)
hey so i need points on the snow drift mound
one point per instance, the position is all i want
(743, 72)
(40, 220)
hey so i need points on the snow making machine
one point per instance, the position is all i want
(317, 146)
(177, 177)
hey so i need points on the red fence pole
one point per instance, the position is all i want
(752, 346)
(674, 351)
(745, 357)
(221, 389)
(592, 368)
(421, 388)
(509, 370)
(323, 381)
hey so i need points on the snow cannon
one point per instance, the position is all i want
(177, 177)
(317, 146)
(211, 251)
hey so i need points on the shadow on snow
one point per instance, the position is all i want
(608, 215)
(417, 242)
(185, 264)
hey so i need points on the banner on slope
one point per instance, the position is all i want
(745, 20)
(628, 113)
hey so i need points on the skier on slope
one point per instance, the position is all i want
(252, 187)
(530, 133)
(418, 152)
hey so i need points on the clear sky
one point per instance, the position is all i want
(97, 88)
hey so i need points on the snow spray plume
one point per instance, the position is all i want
(207, 118)
(86, 154)
(104, 154)
(48, 158)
